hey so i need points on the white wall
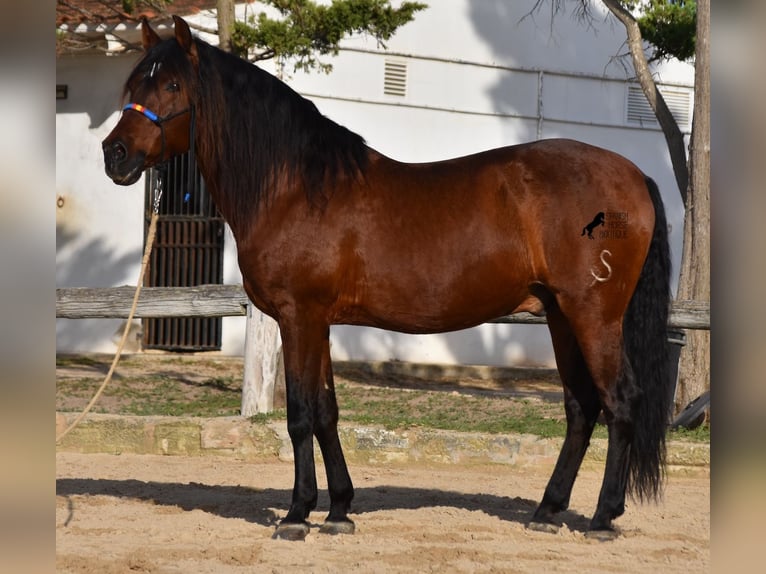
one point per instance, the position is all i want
(99, 226)
(473, 84)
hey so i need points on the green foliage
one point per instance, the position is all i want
(306, 30)
(670, 26)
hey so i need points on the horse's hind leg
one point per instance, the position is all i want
(582, 407)
(602, 349)
(619, 399)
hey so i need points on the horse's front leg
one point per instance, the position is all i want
(326, 431)
(311, 409)
(302, 364)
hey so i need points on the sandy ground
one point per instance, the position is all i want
(138, 513)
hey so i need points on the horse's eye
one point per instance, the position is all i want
(173, 87)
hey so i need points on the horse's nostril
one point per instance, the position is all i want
(119, 153)
(115, 152)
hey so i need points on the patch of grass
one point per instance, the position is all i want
(467, 413)
(205, 405)
(205, 389)
(76, 361)
(76, 387)
(157, 395)
(263, 418)
(219, 396)
(449, 411)
(700, 434)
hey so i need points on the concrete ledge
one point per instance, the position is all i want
(241, 439)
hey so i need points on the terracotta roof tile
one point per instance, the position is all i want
(74, 12)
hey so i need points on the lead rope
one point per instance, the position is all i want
(144, 264)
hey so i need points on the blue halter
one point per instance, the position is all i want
(160, 120)
(146, 111)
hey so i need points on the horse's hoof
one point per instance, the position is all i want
(337, 527)
(548, 527)
(602, 535)
(292, 531)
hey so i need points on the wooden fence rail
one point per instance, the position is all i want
(231, 300)
(263, 373)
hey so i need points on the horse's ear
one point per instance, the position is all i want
(184, 37)
(149, 38)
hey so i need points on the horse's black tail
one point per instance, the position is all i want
(645, 333)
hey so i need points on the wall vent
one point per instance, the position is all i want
(395, 78)
(639, 112)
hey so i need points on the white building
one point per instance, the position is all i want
(462, 77)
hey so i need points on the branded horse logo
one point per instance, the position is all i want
(598, 220)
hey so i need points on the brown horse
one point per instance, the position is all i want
(330, 231)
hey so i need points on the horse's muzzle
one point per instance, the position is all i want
(120, 167)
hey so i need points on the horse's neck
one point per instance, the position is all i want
(214, 186)
(241, 226)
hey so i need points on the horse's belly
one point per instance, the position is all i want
(441, 303)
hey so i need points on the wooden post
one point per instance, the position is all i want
(263, 365)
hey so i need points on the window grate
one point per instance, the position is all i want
(188, 251)
(395, 78)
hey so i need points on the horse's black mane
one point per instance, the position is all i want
(254, 131)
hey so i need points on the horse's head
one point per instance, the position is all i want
(157, 122)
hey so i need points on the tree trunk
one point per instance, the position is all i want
(694, 369)
(673, 135)
(694, 186)
(225, 9)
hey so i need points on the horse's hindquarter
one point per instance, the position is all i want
(594, 220)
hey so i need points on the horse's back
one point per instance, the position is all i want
(444, 245)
